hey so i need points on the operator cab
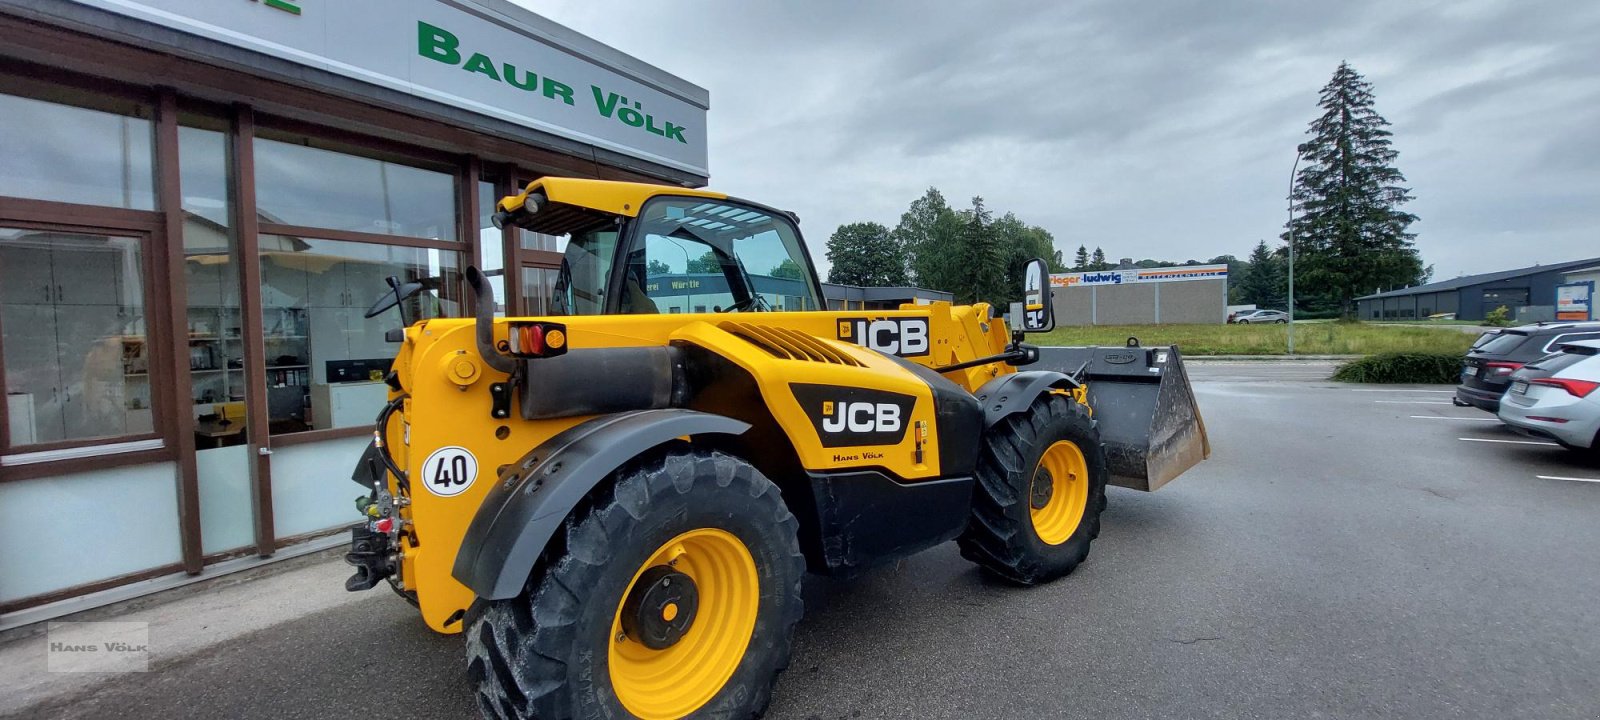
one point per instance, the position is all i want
(677, 253)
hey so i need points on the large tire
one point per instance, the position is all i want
(557, 651)
(1018, 529)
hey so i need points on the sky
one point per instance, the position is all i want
(1154, 129)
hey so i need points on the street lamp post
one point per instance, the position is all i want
(1292, 173)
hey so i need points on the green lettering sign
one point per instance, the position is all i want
(283, 5)
(439, 44)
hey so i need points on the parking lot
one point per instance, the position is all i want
(1348, 551)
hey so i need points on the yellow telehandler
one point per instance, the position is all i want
(616, 502)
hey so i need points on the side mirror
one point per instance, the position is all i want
(1038, 312)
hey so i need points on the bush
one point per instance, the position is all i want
(1333, 314)
(1498, 317)
(1431, 368)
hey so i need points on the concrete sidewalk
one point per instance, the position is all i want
(184, 622)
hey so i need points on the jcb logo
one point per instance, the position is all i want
(860, 417)
(850, 416)
(906, 337)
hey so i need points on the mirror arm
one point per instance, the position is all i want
(1018, 353)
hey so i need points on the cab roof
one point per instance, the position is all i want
(607, 196)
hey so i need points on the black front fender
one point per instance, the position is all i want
(1013, 393)
(535, 495)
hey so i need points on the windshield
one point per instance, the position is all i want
(695, 256)
(1503, 343)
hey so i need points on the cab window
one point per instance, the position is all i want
(693, 255)
(580, 287)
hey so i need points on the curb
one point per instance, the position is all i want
(1267, 358)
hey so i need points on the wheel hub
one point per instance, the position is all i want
(1044, 488)
(661, 608)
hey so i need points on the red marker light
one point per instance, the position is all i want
(1575, 388)
(532, 339)
(383, 525)
(1503, 368)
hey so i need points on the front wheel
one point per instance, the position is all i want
(1244, 322)
(673, 594)
(1283, 322)
(1041, 484)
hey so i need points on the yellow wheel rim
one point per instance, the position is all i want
(1059, 492)
(678, 680)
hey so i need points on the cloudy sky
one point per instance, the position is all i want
(1151, 129)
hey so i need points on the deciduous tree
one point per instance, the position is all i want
(864, 254)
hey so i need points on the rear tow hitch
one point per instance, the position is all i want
(371, 553)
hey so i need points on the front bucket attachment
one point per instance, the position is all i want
(1143, 406)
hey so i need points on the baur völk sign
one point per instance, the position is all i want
(438, 44)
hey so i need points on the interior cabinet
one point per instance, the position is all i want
(28, 274)
(74, 326)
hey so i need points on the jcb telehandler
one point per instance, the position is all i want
(616, 502)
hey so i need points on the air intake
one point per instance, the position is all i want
(786, 344)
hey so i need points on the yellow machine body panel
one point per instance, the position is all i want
(831, 406)
(445, 377)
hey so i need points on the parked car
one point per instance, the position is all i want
(1486, 370)
(1262, 316)
(1556, 397)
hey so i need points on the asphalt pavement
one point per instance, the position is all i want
(1348, 551)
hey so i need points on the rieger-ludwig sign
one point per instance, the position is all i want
(460, 53)
(1140, 275)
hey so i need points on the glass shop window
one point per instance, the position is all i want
(325, 361)
(50, 151)
(77, 361)
(311, 187)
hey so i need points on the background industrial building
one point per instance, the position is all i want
(1142, 296)
(1529, 293)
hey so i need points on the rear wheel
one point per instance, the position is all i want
(1041, 486)
(674, 593)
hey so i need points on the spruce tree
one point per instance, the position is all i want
(982, 263)
(1099, 261)
(1265, 281)
(1349, 232)
(1080, 262)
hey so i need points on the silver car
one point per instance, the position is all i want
(1262, 316)
(1558, 397)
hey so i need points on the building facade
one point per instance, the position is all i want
(1186, 294)
(198, 201)
(1528, 292)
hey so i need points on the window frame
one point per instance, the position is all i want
(145, 227)
(461, 171)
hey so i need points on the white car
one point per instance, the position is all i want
(1262, 316)
(1558, 397)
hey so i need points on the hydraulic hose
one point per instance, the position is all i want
(383, 448)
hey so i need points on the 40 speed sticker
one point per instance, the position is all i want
(449, 471)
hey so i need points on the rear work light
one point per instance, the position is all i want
(1575, 388)
(1503, 368)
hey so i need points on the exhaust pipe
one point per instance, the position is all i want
(483, 301)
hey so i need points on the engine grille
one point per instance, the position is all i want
(787, 344)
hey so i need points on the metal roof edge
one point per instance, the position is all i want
(1467, 280)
